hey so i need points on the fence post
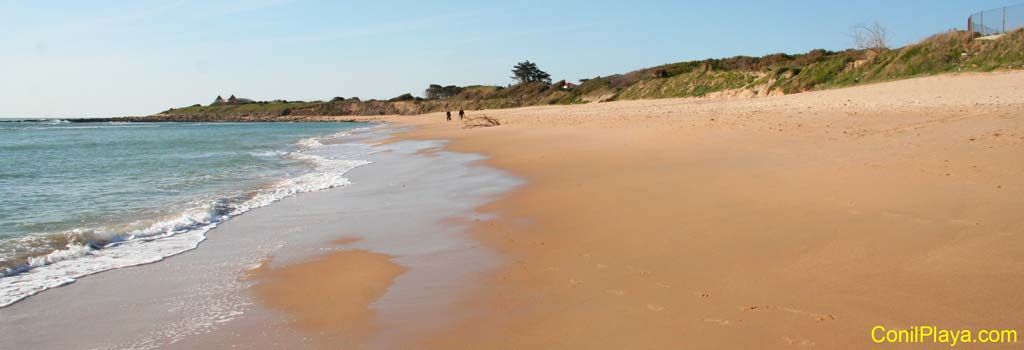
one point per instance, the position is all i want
(1004, 19)
(982, 19)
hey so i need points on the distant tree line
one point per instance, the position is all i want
(523, 73)
(436, 91)
(403, 97)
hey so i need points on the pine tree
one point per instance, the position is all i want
(527, 72)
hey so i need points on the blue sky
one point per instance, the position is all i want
(114, 58)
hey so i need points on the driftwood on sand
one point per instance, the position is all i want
(481, 122)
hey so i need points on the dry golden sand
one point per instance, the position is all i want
(781, 222)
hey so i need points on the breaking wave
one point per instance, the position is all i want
(59, 259)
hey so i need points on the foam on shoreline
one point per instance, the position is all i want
(92, 250)
(413, 207)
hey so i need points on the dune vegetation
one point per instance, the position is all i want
(743, 76)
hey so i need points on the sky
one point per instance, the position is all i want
(118, 58)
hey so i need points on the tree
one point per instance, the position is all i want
(873, 37)
(436, 91)
(527, 72)
(403, 97)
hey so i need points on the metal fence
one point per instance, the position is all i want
(997, 21)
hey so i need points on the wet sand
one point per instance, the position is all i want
(345, 282)
(783, 222)
(357, 266)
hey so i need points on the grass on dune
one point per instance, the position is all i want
(954, 51)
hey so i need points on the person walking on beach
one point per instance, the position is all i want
(462, 113)
(449, 115)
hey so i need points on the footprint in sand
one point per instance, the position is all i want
(575, 283)
(964, 222)
(655, 308)
(818, 317)
(825, 317)
(798, 342)
(619, 292)
(641, 272)
(893, 214)
(718, 321)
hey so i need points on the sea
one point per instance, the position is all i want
(82, 198)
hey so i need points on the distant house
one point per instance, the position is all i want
(564, 85)
(231, 101)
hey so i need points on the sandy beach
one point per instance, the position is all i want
(452, 175)
(796, 221)
(793, 221)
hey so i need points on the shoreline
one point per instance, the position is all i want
(166, 233)
(800, 220)
(205, 298)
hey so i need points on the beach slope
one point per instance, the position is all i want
(779, 222)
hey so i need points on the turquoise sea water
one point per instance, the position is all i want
(80, 198)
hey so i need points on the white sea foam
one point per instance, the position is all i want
(269, 154)
(313, 143)
(71, 251)
(154, 241)
(310, 143)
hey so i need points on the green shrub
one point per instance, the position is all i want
(402, 97)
